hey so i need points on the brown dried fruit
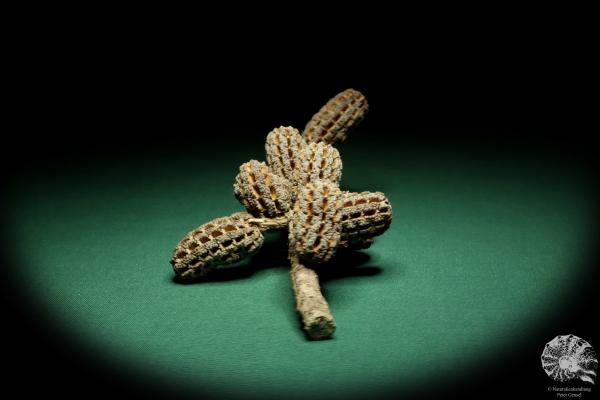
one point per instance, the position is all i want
(263, 193)
(284, 148)
(320, 161)
(334, 119)
(314, 228)
(219, 242)
(363, 216)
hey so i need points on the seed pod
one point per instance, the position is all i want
(320, 161)
(334, 119)
(219, 242)
(314, 228)
(364, 216)
(263, 193)
(284, 150)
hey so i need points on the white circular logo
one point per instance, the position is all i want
(569, 357)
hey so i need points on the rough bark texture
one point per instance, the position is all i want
(267, 224)
(317, 321)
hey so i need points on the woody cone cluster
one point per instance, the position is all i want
(296, 189)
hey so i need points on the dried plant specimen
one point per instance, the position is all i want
(334, 119)
(298, 190)
(314, 230)
(263, 193)
(364, 216)
(221, 241)
(284, 149)
(317, 320)
(320, 161)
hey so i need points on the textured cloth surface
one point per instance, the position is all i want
(483, 244)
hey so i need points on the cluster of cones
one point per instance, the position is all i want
(296, 189)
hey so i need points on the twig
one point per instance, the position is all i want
(317, 320)
(267, 224)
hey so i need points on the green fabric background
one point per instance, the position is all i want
(484, 244)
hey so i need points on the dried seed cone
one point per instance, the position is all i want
(363, 216)
(334, 119)
(314, 228)
(219, 242)
(263, 193)
(284, 148)
(317, 321)
(320, 161)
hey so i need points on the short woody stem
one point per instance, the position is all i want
(267, 224)
(317, 320)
